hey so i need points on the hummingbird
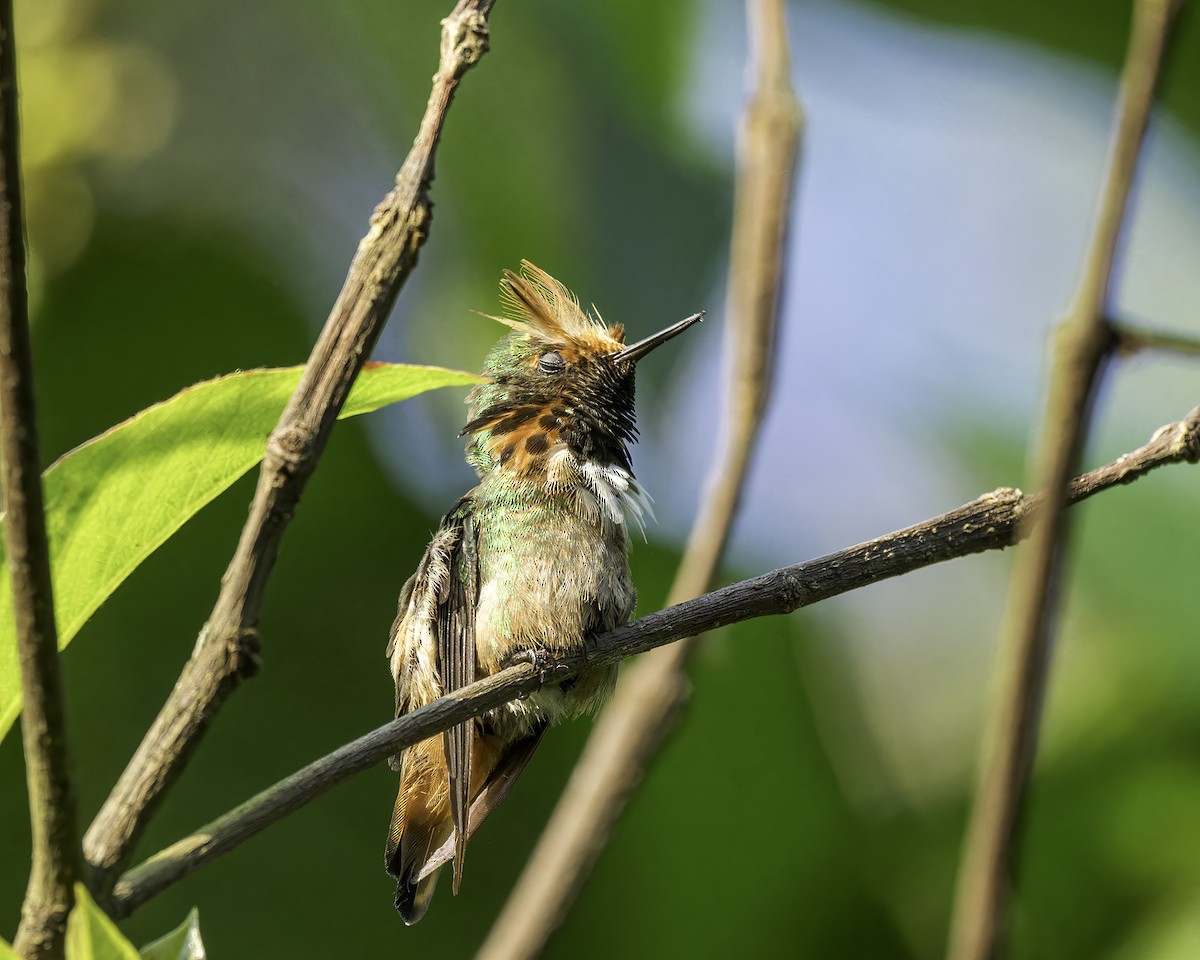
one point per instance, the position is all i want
(528, 565)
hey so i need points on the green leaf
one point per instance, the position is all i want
(6, 951)
(182, 943)
(91, 935)
(116, 499)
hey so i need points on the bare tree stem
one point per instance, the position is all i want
(1083, 341)
(651, 695)
(50, 893)
(991, 522)
(227, 648)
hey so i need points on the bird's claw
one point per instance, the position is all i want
(535, 658)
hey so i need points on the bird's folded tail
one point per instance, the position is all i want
(421, 839)
(489, 797)
(418, 828)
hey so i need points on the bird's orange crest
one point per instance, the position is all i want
(537, 304)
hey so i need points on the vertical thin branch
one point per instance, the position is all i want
(1083, 341)
(227, 649)
(55, 866)
(651, 695)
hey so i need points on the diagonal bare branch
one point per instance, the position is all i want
(1084, 341)
(50, 894)
(990, 522)
(227, 649)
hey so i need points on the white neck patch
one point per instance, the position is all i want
(603, 491)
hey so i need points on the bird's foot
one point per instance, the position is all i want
(538, 659)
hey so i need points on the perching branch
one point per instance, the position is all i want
(1084, 341)
(55, 867)
(227, 649)
(650, 697)
(991, 522)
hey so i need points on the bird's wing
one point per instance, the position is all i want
(412, 644)
(456, 660)
(432, 652)
(415, 640)
(402, 606)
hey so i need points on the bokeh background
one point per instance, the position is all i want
(197, 177)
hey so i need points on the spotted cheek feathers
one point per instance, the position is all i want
(524, 441)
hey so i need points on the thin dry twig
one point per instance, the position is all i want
(1130, 340)
(50, 893)
(651, 695)
(1084, 340)
(227, 649)
(990, 522)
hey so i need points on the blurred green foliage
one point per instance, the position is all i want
(214, 246)
(113, 501)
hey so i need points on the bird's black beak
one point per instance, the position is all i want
(634, 353)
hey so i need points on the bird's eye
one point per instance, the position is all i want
(551, 363)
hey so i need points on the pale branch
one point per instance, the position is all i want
(55, 861)
(990, 522)
(652, 694)
(227, 648)
(768, 150)
(1083, 341)
(1130, 339)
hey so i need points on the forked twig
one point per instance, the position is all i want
(1084, 340)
